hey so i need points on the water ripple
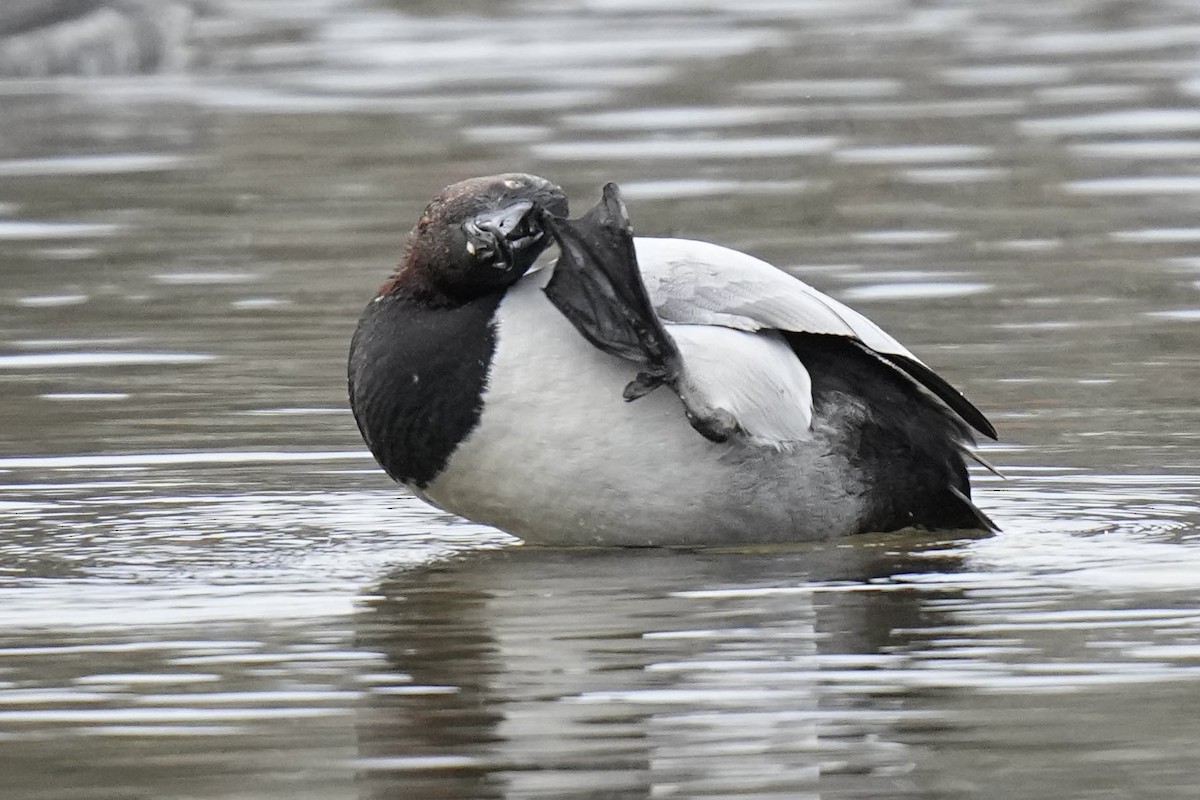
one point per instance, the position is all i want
(730, 147)
(58, 360)
(112, 164)
(1141, 121)
(24, 230)
(1147, 185)
(160, 459)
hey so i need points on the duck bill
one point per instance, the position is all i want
(497, 233)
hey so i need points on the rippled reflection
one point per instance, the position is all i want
(818, 671)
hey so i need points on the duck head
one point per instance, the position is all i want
(476, 237)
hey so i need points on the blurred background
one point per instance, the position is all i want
(207, 589)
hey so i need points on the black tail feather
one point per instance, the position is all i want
(983, 462)
(598, 287)
(943, 391)
(985, 522)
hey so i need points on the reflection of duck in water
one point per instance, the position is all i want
(92, 37)
(610, 673)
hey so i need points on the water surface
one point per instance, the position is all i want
(207, 589)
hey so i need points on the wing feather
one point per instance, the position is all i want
(702, 283)
(750, 382)
(699, 283)
(706, 320)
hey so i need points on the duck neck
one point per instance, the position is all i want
(413, 283)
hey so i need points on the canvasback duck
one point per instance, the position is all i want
(642, 391)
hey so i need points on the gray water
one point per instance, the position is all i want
(208, 590)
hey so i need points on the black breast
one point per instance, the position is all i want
(907, 448)
(416, 377)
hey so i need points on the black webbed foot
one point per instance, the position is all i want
(598, 287)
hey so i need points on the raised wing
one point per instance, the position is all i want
(717, 348)
(705, 284)
(700, 283)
